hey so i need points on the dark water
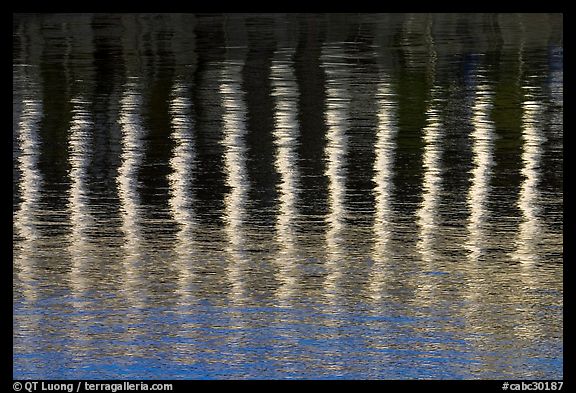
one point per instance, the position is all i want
(288, 196)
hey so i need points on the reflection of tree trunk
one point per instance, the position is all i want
(182, 181)
(235, 202)
(81, 219)
(482, 157)
(286, 132)
(383, 188)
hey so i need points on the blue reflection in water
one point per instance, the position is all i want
(314, 335)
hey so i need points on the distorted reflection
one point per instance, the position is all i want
(416, 40)
(430, 242)
(383, 180)
(286, 131)
(130, 206)
(427, 214)
(26, 218)
(80, 217)
(476, 244)
(234, 123)
(337, 122)
(235, 196)
(27, 238)
(530, 230)
(181, 184)
(482, 158)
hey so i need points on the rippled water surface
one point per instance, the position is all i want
(287, 196)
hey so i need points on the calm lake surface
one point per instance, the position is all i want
(288, 196)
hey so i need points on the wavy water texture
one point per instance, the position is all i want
(288, 196)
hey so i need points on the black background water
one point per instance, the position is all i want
(288, 196)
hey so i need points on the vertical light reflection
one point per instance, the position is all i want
(482, 157)
(27, 236)
(28, 147)
(131, 157)
(530, 229)
(427, 213)
(236, 176)
(80, 217)
(383, 183)
(337, 122)
(181, 182)
(427, 218)
(26, 218)
(482, 138)
(285, 93)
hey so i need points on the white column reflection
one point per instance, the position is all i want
(181, 182)
(337, 122)
(26, 248)
(80, 218)
(30, 188)
(285, 94)
(427, 214)
(236, 176)
(482, 158)
(429, 243)
(530, 231)
(127, 181)
(478, 236)
(27, 238)
(383, 185)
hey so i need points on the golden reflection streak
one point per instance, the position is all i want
(427, 213)
(27, 236)
(482, 138)
(181, 201)
(80, 217)
(236, 176)
(127, 181)
(482, 158)
(530, 230)
(285, 93)
(383, 181)
(337, 122)
(25, 219)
